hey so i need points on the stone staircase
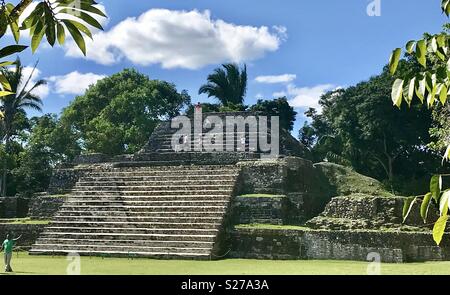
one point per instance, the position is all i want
(153, 211)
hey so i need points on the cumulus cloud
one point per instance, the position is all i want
(286, 78)
(73, 83)
(180, 39)
(41, 91)
(307, 97)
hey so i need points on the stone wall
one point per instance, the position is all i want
(29, 232)
(360, 211)
(45, 206)
(63, 179)
(14, 207)
(294, 177)
(340, 245)
(263, 209)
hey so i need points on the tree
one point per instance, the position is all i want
(118, 113)
(277, 107)
(11, 105)
(359, 127)
(428, 85)
(50, 18)
(47, 145)
(228, 84)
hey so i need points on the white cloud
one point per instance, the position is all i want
(180, 39)
(73, 83)
(259, 96)
(286, 78)
(41, 91)
(306, 97)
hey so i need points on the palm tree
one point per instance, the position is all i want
(228, 84)
(14, 105)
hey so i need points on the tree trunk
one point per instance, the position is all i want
(5, 167)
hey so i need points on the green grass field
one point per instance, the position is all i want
(23, 264)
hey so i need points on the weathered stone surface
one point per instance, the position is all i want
(264, 209)
(392, 246)
(92, 158)
(45, 206)
(360, 211)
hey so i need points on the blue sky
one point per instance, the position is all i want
(305, 46)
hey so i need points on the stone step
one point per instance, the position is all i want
(148, 214)
(167, 137)
(127, 249)
(147, 225)
(113, 198)
(168, 178)
(112, 208)
(175, 168)
(162, 182)
(145, 188)
(113, 230)
(118, 242)
(148, 202)
(131, 219)
(156, 255)
(152, 192)
(128, 236)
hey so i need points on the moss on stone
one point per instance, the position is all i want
(345, 181)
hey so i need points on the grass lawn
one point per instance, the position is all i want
(23, 263)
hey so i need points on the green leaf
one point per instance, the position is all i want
(439, 229)
(9, 50)
(410, 46)
(432, 95)
(6, 63)
(394, 59)
(83, 16)
(76, 35)
(15, 30)
(397, 92)
(5, 83)
(50, 31)
(407, 206)
(38, 34)
(61, 34)
(5, 93)
(441, 40)
(420, 90)
(80, 27)
(443, 203)
(435, 188)
(443, 93)
(425, 206)
(92, 9)
(434, 45)
(447, 154)
(421, 52)
(3, 24)
(411, 89)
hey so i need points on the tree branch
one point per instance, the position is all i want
(17, 11)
